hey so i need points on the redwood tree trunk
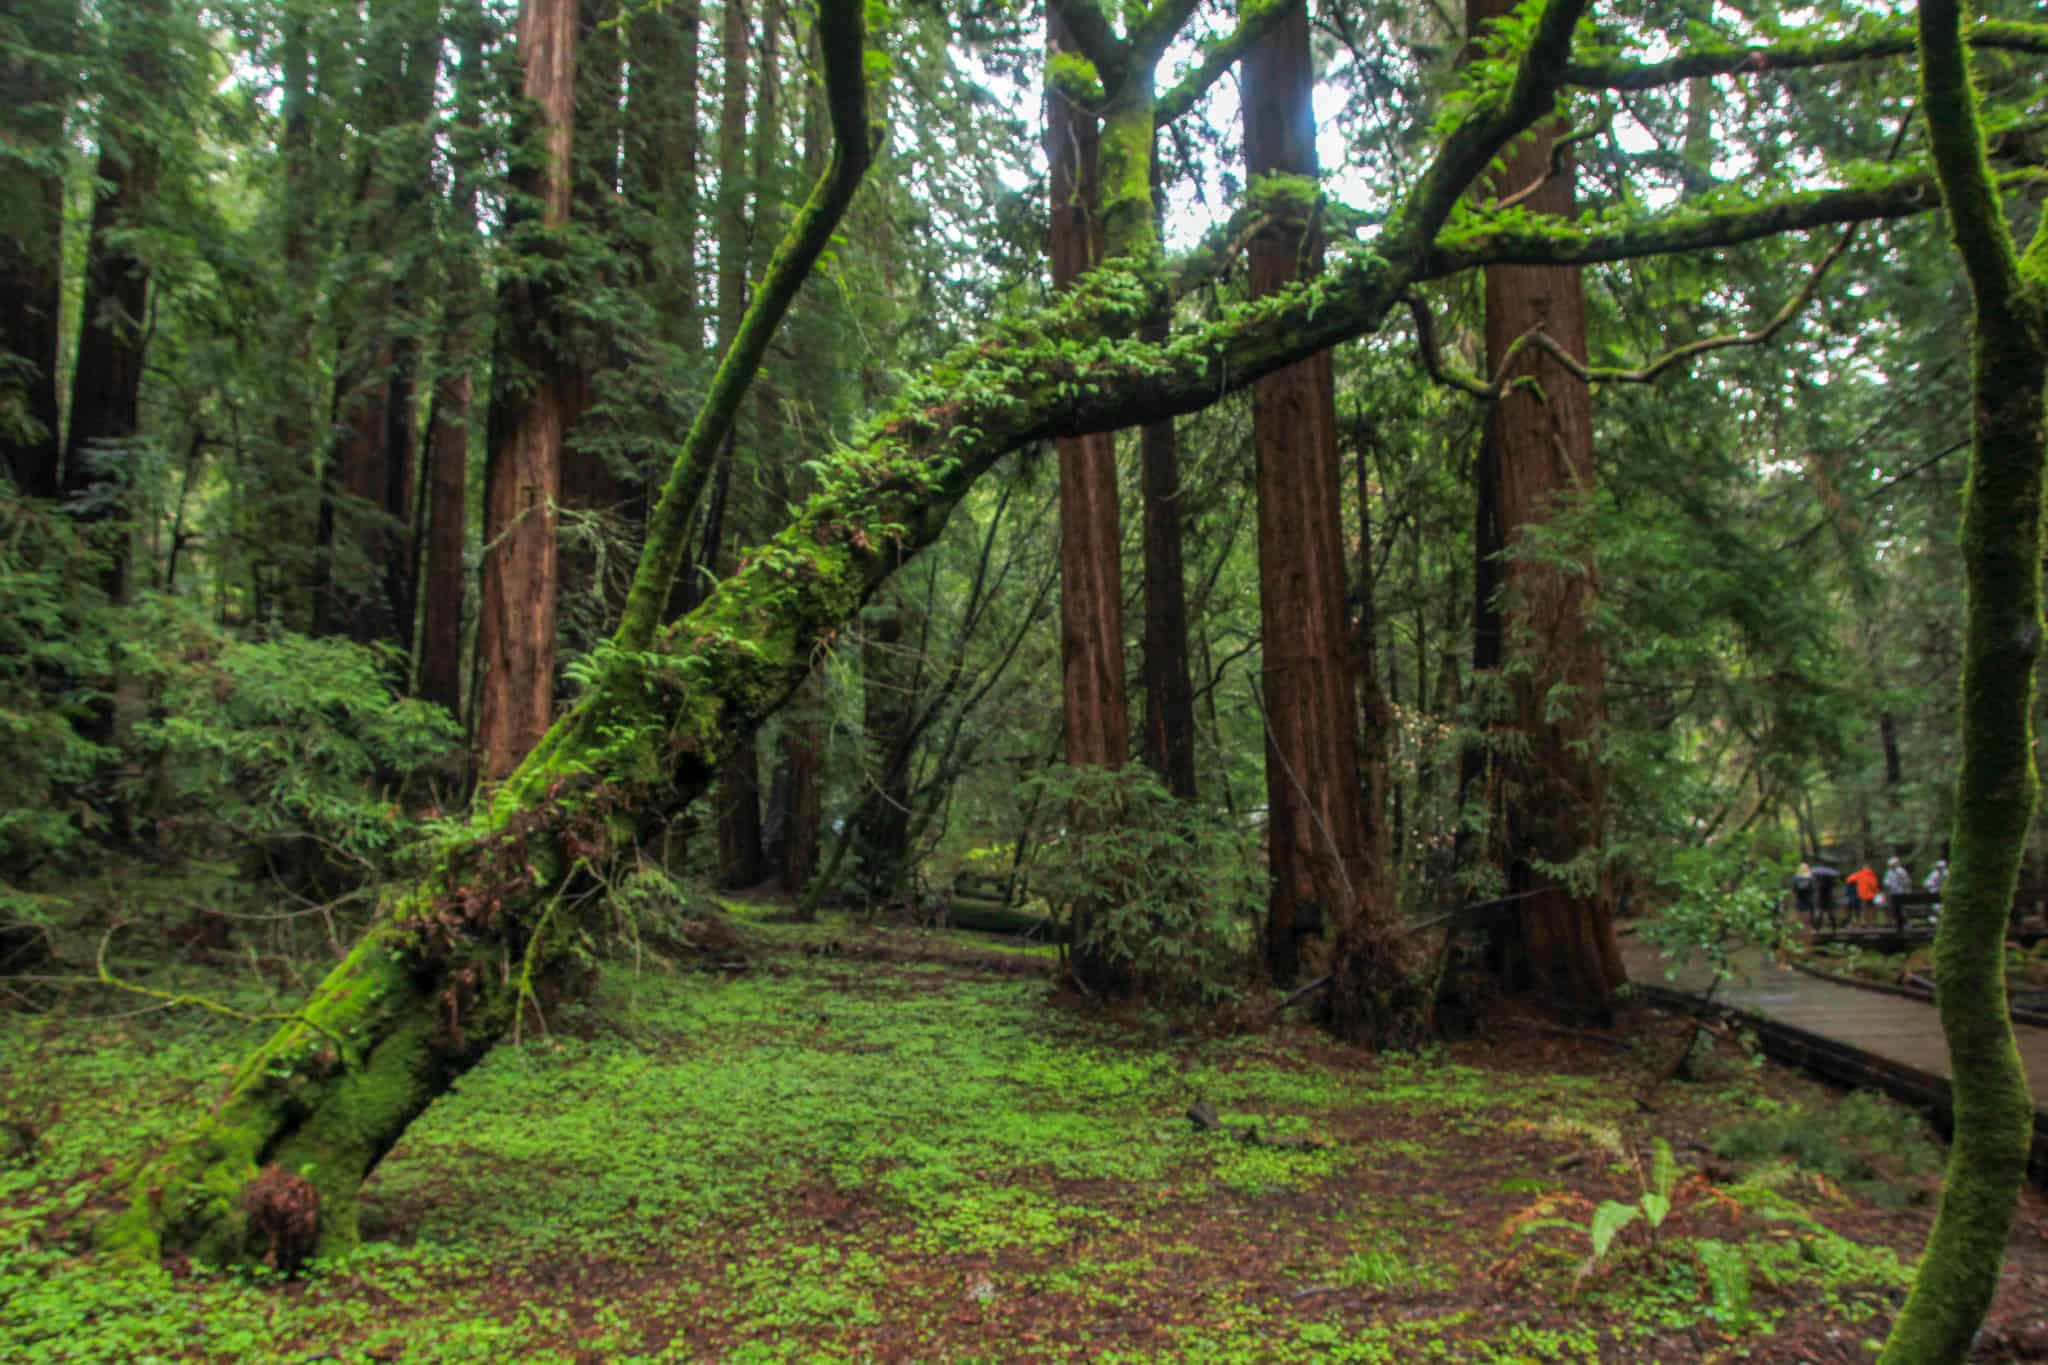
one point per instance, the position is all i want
(1536, 459)
(32, 103)
(522, 482)
(1091, 543)
(1315, 824)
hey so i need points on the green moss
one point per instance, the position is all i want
(1125, 159)
(1074, 76)
(1293, 197)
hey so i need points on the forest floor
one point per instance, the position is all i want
(821, 1144)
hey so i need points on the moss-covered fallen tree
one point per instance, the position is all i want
(453, 960)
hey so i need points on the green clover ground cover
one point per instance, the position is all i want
(825, 1158)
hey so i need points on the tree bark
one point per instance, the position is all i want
(1315, 827)
(32, 104)
(1998, 787)
(1375, 703)
(891, 669)
(522, 481)
(286, 492)
(590, 593)
(1536, 460)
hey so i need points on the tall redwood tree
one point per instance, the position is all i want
(1091, 541)
(1536, 457)
(1315, 819)
(522, 482)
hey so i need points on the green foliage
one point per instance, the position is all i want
(1726, 1269)
(1164, 886)
(54, 659)
(1610, 1217)
(291, 737)
(55, 650)
(1879, 1150)
(1723, 897)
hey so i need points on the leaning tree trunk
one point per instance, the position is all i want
(1317, 873)
(443, 972)
(1537, 458)
(1997, 789)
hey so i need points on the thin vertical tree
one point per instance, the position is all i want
(106, 386)
(589, 350)
(445, 480)
(364, 574)
(741, 861)
(1998, 787)
(1169, 727)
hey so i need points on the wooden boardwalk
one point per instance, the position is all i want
(1855, 1036)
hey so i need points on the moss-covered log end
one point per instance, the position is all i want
(310, 1099)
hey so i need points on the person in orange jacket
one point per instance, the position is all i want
(1865, 882)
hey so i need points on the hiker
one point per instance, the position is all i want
(1897, 881)
(1938, 877)
(1824, 892)
(1865, 883)
(1802, 892)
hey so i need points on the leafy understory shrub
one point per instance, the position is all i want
(1172, 886)
(289, 739)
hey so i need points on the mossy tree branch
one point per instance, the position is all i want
(1997, 786)
(843, 46)
(1478, 138)
(1990, 35)
(1522, 240)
